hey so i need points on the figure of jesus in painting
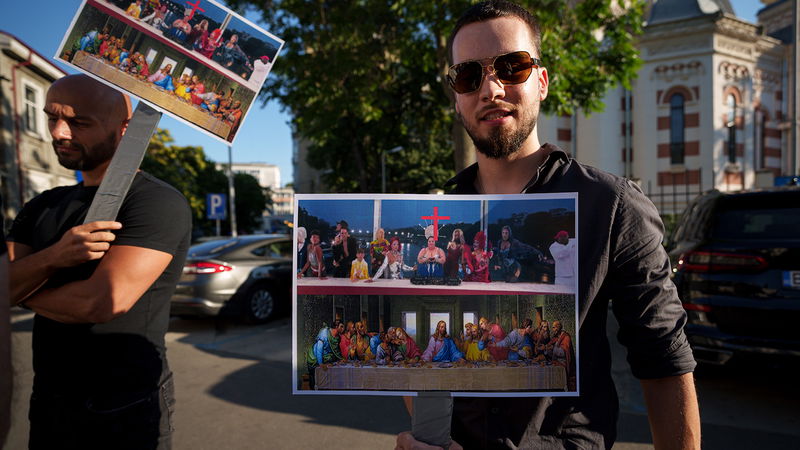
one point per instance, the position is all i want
(441, 347)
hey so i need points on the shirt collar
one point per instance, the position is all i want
(464, 181)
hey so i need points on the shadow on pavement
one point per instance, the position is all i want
(265, 386)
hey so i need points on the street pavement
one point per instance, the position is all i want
(233, 388)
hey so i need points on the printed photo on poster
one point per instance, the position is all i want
(469, 294)
(197, 61)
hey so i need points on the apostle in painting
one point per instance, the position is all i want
(541, 337)
(406, 345)
(347, 338)
(359, 345)
(476, 350)
(517, 342)
(325, 350)
(493, 332)
(561, 352)
(441, 347)
(387, 351)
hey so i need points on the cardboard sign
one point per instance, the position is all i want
(196, 61)
(434, 293)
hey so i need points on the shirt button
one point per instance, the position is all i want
(495, 410)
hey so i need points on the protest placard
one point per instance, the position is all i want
(476, 295)
(196, 61)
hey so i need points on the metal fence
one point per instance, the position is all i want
(675, 198)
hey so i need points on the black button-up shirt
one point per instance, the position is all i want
(621, 258)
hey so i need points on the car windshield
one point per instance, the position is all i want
(782, 223)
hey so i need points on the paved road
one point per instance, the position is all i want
(233, 390)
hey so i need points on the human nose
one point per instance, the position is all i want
(491, 87)
(59, 129)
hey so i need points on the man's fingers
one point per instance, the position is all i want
(101, 236)
(101, 225)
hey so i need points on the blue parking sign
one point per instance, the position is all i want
(216, 206)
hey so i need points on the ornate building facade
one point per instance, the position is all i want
(709, 108)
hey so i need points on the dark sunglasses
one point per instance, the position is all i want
(510, 68)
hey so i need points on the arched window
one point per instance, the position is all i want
(676, 129)
(731, 129)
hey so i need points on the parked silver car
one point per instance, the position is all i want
(249, 276)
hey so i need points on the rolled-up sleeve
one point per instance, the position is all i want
(644, 299)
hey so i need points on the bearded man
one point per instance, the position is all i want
(498, 78)
(101, 291)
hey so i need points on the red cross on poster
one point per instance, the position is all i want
(195, 7)
(436, 218)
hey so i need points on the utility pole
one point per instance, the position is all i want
(231, 192)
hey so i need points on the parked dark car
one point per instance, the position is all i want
(248, 276)
(736, 259)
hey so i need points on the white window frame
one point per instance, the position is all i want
(38, 109)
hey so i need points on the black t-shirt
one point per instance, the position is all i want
(126, 356)
(620, 258)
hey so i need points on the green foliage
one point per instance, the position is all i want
(363, 76)
(193, 174)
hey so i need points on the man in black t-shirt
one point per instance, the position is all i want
(100, 291)
(498, 83)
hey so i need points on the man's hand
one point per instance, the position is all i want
(406, 441)
(84, 243)
(29, 270)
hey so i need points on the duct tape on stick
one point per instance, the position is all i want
(124, 165)
(430, 418)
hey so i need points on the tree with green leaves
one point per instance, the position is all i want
(189, 170)
(363, 76)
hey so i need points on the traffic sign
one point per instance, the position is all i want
(216, 206)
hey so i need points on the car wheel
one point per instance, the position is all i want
(259, 304)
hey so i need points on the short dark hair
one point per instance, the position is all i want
(360, 250)
(314, 233)
(495, 9)
(344, 224)
(527, 323)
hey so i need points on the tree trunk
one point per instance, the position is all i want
(463, 148)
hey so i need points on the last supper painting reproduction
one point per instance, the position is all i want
(397, 294)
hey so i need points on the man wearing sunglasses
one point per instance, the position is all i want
(499, 79)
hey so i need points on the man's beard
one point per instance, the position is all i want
(89, 158)
(500, 143)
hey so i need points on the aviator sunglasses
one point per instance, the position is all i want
(510, 68)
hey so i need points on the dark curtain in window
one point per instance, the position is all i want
(676, 129)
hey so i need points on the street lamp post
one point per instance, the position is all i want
(383, 165)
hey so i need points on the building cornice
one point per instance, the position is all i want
(20, 51)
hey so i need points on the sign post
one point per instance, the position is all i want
(216, 208)
(124, 165)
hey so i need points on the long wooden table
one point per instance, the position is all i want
(399, 378)
(149, 92)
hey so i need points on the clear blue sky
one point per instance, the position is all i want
(264, 137)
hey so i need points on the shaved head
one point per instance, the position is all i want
(86, 120)
(114, 105)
